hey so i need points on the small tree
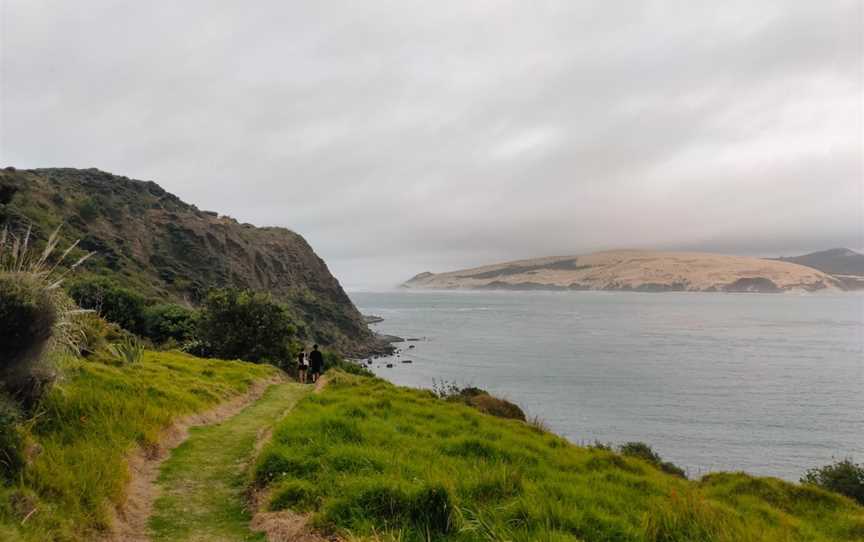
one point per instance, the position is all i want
(246, 325)
(168, 321)
(844, 477)
(114, 303)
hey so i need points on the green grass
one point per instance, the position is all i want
(204, 479)
(91, 420)
(373, 461)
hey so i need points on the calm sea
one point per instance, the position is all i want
(768, 384)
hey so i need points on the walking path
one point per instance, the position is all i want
(202, 484)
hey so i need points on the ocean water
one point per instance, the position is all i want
(768, 384)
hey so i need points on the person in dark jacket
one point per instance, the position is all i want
(316, 363)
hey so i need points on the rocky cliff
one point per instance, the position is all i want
(150, 240)
(636, 270)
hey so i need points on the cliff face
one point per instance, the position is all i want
(636, 270)
(150, 240)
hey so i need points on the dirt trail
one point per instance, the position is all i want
(202, 485)
(130, 521)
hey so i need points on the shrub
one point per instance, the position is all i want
(168, 321)
(478, 398)
(646, 453)
(34, 313)
(246, 325)
(94, 334)
(332, 360)
(111, 301)
(844, 477)
(128, 351)
(496, 407)
(27, 315)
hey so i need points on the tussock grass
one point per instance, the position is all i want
(376, 462)
(87, 424)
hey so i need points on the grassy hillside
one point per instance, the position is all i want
(379, 462)
(150, 241)
(78, 440)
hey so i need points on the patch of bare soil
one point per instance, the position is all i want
(130, 521)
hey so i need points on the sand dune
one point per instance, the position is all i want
(638, 270)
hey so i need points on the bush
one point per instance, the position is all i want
(246, 325)
(128, 351)
(168, 321)
(844, 477)
(646, 453)
(34, 313)
(94, 334)
(496, 407)
(478, 398)
(111, 301)
(28, 313)
(332, 360)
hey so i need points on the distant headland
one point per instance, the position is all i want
(656, 271)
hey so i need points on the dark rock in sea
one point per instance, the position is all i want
(407, 361)
(410, 346)
(655, 287)
(413, 339)
(389, 365)
(389, 338)
(752, 285)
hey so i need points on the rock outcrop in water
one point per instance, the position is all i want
(639, 271)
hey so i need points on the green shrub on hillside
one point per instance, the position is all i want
(333, 360)
(844, 477)
(34, 313)
(478, 398)
(94, 334)
(28, 313)
(113, 302)
(169, 322)
(646, 453)
(246, 325)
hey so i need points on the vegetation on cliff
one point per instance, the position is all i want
(152, 248)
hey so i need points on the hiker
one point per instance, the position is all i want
(302, 366)
(316, 362)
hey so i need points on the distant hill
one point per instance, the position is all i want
(845, 264)
(150, 240)
(636, 270)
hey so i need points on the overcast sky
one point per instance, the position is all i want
(405, 136)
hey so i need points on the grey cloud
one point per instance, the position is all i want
(403, 136)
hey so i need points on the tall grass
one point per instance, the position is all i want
(374, 461)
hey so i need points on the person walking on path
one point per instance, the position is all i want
(316, 362)
(302, 366)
